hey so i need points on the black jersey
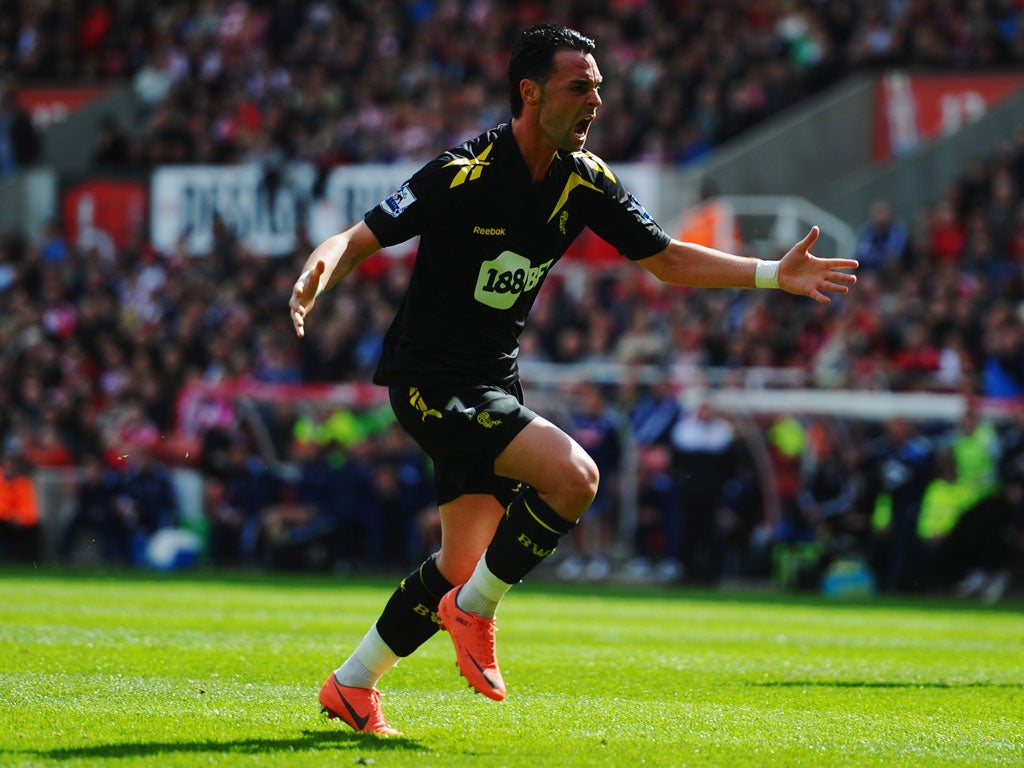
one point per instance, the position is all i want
(489, 235)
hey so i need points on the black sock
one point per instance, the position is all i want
(410, 617)
(528, 533)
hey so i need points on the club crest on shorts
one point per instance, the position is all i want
(484, 420)
(395, 203)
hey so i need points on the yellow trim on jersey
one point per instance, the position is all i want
(596, 163)
(574, 180)
(471, 168)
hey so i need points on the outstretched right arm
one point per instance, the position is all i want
(329, 262)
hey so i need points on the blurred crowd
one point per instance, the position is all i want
(895, 506)
(96, 349)
(97, 354)
(937, 306)
(359, 81)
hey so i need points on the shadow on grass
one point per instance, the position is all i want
(881, 684)
(309, 741)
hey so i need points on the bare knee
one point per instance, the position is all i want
(575, 488)
(555, 465)
(584, 482)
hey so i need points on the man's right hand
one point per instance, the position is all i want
(304, 294)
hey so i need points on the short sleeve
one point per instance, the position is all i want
(406, 212)
(622, 221)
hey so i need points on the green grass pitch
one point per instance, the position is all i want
(134, 670)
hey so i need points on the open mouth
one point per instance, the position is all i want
(581, 128)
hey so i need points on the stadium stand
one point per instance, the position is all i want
(100, 344)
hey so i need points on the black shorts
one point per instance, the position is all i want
(463, 429)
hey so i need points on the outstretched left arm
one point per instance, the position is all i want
(798, 272)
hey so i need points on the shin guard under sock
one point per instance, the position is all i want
(528, 532)
(410, 617)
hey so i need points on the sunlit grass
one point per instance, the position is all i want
(129, 670)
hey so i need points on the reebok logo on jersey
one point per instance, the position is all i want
(396, 203)
(470, 168)
(492, 231)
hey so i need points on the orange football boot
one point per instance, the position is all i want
(473, 637)
(359, 707)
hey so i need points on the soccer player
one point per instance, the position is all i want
(494, 215)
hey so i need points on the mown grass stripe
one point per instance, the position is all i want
(133, 670)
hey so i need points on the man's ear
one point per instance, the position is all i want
(529, 90)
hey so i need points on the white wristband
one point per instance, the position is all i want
(766, 274)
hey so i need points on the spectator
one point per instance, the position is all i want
(656, 520)
(641, 342)
(46, 446)
(235, 499)
(917, 359)
(903, 466)
(703, 457)
(387, 518)
(946, 235)
(111, 150)
(146, 502)
(882, 242)
(19, 140)
(737, 519)
(595, 426)
(95, 512)
(20, 534)
(828, 491)
(786, 437)
(985, 545)
(1002, 210)
(415, 495)
(225, 522)
(318, 522)
(653, 411)
(976, 451)
(1002, 367)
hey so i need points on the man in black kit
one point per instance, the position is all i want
(494, 215)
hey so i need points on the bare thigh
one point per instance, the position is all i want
(545, 457)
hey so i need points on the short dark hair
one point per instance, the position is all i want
(533, 56)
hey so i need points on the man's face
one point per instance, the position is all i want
(569, 100)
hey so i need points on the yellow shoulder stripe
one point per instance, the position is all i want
(471, 168)
(596, 163)
(574, 180)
